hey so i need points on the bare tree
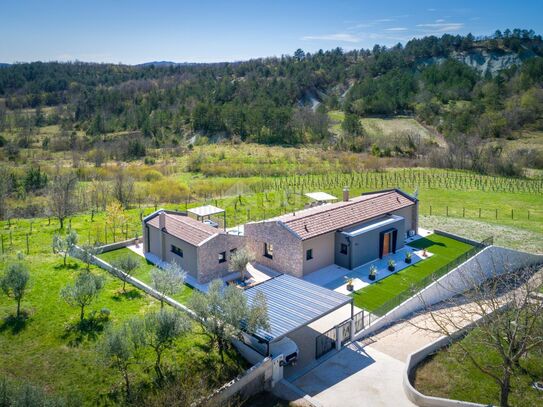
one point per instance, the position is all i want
(61, 195)
(504, 312)
(123, 188)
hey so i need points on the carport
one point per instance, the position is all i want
(294, 304)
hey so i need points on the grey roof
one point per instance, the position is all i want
(294, 303)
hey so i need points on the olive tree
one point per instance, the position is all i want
(239, 261)
(65, 244)
(83, 291)
(224, 313)
(87, 254)
(160, 330)
(168, 280)
(127, 264)
(14, 283)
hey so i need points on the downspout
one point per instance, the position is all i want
(350, 251)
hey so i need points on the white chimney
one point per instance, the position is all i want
(345, 194)
(162, 220)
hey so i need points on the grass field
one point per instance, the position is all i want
(46, 352)
(451, 375)
(143, 272)
(444, 249)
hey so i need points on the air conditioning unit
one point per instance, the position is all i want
(411, 233)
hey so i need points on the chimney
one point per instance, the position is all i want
(345, 194)
(161, 220)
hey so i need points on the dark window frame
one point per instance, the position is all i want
(309, 254)
(267, 252)
(176, 250)
(222, 257)
(343, 248)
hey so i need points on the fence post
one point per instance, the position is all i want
(430, 210)
(479, 213)
(447, 209)
(496, 213)
(338, 338)
(2, 244)
(27, 245)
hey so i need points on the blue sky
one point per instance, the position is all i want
(134, 31)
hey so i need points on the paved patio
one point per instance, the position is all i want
(335, 277)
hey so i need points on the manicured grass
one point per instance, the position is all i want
(143, 272)
(45, 353)
(451, 375)
(444, 249)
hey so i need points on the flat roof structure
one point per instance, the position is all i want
(294, 303)
(321, 196)
(206, 210)
(366, 227)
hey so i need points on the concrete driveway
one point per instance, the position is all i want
(358, 375)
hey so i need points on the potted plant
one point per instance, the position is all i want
(391, 265)
(373, 272)
(350, 286)
(408, 257)
(424, 253)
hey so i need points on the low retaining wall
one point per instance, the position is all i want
(118, 245)
(492, 260)
(77, 253)
(261, 377)
(417, 397)
(457, 237)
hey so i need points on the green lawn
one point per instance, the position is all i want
(444, 249)
(46, 353)
(143, 272)
(450, 374)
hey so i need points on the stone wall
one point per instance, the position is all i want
(209, 267)
(287, 247)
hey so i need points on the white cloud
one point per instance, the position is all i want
(441, 27)
(344, 37)
(396, 29)
(440, 20)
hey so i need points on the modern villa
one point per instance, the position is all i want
(348, 233)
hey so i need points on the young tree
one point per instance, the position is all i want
(507, 318)
(239, 260)
(88, 252)
(123, 188)
(127, 264)
(61, 195)
(160, 330)
(14, 283)
(224, 312)
(64, 245)
(116, 218)
(119, 351)
(83, 291)
(168, 280)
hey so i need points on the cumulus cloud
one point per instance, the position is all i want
(344, 37)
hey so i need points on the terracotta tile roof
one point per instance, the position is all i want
(327, 218)
(185, 228)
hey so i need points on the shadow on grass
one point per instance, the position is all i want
(68, 266)
(86, 330)
(14, 324)
(424, 243)
(127, 295)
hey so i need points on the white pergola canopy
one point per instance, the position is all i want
(206, 210)
(321, 196)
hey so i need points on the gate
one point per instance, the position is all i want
(359, 321)
(325, 342)
(345, 329)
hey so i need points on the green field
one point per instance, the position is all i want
(47, 352)
(143, 272)
(444, 251)
(449, 374)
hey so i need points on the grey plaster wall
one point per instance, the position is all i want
(323, 252)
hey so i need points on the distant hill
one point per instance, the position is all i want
(3, 65)
(162, 64)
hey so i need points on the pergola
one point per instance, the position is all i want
(321, 196)
(206, 212)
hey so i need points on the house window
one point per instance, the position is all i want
(268, 250)
(177, 250)
(309, 254)
(343, 248)
(222, 257)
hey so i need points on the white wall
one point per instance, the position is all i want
(493, 260)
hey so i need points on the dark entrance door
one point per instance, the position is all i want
(387, 243)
